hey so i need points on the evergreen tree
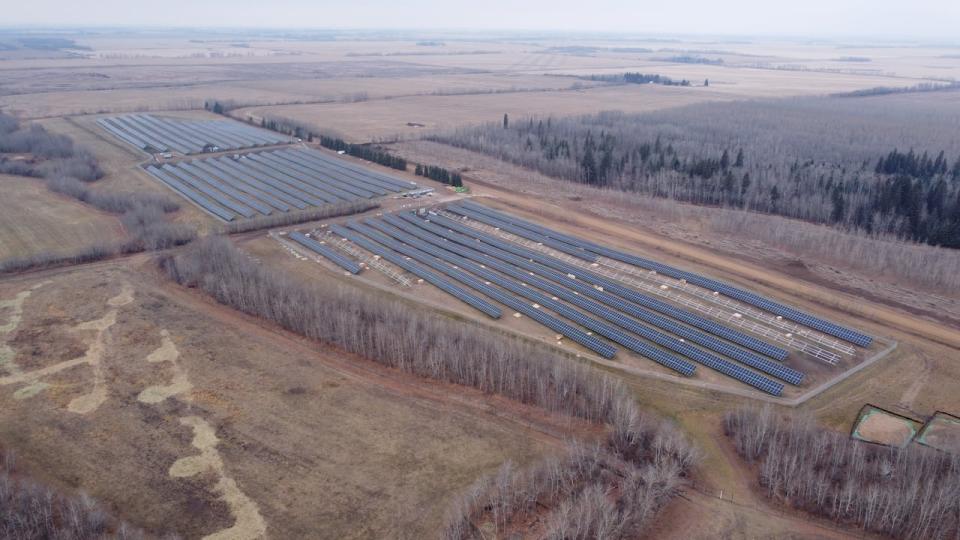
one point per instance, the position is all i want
(506, 121)
(739, 161)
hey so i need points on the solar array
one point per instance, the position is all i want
(418, 270)
(589, 251)
(326, 251)
(590, 310)
(613, 308)
(261, 183)
(168, 134)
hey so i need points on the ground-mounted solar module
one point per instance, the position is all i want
(572, 244)
(154, 133)
(267, 182)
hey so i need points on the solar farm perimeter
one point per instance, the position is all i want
(593, 301)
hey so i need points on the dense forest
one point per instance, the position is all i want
(882, 165)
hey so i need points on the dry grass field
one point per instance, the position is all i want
(34, 221)
(311, 443)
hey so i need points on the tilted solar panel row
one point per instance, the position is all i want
(341, 164)
(283, 172)
(255, 133)
(155, 139)
(208, 191)
(747, 297)
(192, 195)
(311, 159)
(269, 172)
(549, 321)
(122, 135)
(702, 323)
(486, 256)
(126, 125)
(347, 165)
(358, 190)
(326, 251)
(161, 134)
(226, 188)
(591, 291)
(309, 177)
(364, 190)
(175, 129)
(176, 139)
(661, 357)
(213, 136)
(291, 195)
(231, 137)
(520, 231)
(349, 191)
(415, 269)
(261, 191)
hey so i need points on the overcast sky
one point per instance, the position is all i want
(916, 19)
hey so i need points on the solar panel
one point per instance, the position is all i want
(191, 194)
(226, 188)
(202, 187)
(175, 139)
(293, 195)
(342, 189)
(491, 258)
(346, 166)
(707, 325)
(326, 251)
(365, 190)
(261, 191)
(549, 321)
(559, 246)
(415, 269)
(264, 159)
(267, 170)
(747, 297)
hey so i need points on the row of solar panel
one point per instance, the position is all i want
(326, 251)
(578, 289)
(425, 244)
(187, 136)
(399, 231)
(576, 292)
(264, 182)
(625, 293)
(588, 250)
(418, 253)
(428, 276)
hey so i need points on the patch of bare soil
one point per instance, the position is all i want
(881, 428)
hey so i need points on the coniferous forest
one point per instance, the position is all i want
(883, 165)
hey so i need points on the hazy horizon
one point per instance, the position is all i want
(924, 20)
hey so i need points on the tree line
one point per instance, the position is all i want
(638, 78)
(826, 160)
(445, 176)
(640, 463)
(910, 493)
